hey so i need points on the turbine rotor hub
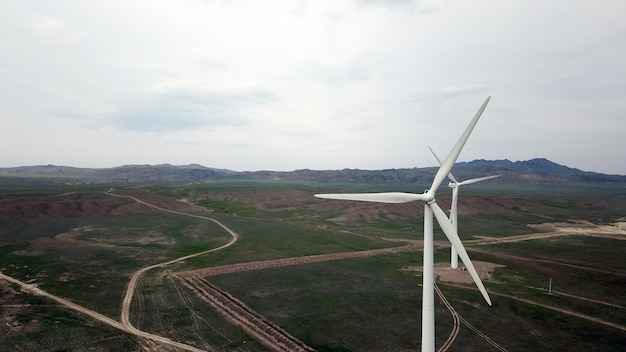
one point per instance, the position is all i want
(429, 196)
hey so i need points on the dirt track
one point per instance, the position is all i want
(130, 289)
(125, 324)
(99, 317)
(275, 263)
(237, 313)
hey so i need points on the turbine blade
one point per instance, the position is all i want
(454, 239)
(450, 176)
(475, 180)
(388, 197)
(435, 155)
(446, 166)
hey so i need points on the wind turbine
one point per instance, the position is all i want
(454, 184)
(430, 207)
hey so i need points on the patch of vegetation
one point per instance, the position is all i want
(227, 206)
(40, 325)
(327, 304)
(166, 308)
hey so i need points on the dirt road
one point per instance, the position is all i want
(125, 324)
(39, 292)
(99, 317)
(275, 263)
(132, 285)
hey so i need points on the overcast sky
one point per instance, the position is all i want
(285, 85)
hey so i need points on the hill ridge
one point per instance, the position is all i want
(533, 171)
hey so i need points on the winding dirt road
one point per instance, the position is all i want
(125, 324)
(132, 285)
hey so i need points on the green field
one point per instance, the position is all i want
(82, 244)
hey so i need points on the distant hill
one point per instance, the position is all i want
(534, 172)
(161, 173)
(50, 174)
(538, 171)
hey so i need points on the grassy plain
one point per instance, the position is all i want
(83, 244)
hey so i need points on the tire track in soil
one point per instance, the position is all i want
(552, 308)
(455, 317)
(237, 313)
(197, 318)
(481, 335)
(258, 327)
(457, 320)
(534, 332)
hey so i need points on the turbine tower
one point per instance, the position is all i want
(430, 208)
(454, 184)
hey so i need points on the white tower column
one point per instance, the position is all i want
(428, 287)
(454, 256)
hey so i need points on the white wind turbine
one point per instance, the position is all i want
(430, 207)
(454, 184)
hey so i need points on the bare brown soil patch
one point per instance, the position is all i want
(46, 206)
(582, 227)
(445, 273)
(50, 206)
(362, 212)
(615, 231)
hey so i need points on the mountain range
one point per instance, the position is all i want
(538, 171)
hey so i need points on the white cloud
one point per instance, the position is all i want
(318, 84)
(52, 30)
(182, 109)
(337, 74)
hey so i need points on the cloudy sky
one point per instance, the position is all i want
(325, 84)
